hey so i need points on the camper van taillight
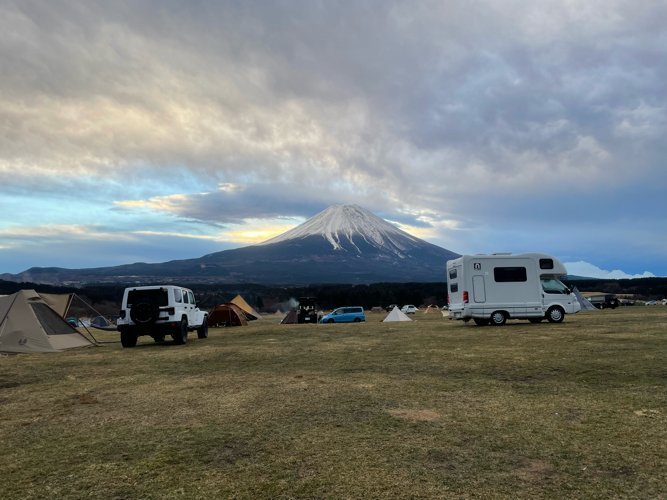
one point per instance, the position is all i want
(465, 297)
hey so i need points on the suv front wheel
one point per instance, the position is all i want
(202, 331)
(181, 335)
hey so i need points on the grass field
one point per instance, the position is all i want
(428, 409)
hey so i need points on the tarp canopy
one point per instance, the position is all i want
(226, 315)
(396, 315)
(586, 305)
(250, 313)
(29, 324)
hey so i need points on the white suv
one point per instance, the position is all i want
(409, 309)
(159, 310)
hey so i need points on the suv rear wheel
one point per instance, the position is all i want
(128, 339)
(181, 336)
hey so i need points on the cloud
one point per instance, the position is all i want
(478, 124)
(589, 270)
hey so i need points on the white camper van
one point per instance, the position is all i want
(497, 287)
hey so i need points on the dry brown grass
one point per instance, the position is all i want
(431, 408)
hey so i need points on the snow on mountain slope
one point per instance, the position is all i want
(340, 224)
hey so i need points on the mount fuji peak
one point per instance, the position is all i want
(341, 225)
(342, 244)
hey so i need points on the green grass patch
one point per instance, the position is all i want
(432, 408)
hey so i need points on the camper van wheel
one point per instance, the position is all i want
(181, 335)
(555, 314)
(128, 339)
(481, 321)
(202, 331)
(498, 318)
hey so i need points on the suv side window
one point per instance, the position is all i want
(185, 296)
(191, 296)
(178, 295)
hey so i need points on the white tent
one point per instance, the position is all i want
(396, 315)
(586, 304)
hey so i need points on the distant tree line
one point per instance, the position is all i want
(106, 298)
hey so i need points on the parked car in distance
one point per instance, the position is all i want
(390, 307)
(345, 315)
(605, 301)
(409, 309)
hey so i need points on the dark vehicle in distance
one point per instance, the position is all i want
(606, 301)
(308, 311)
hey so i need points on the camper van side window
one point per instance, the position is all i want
(546, 263)
(509, 274)
(454, 287)
(452, 274)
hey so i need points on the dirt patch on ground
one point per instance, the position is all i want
(535, 470)
(415, 415)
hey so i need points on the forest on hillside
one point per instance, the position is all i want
(106, 298)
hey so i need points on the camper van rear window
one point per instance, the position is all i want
(546, 263)
(509, 274)
(454, 287)
(452, 274)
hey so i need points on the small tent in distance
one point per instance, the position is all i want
(29, 324)
(248, 310)
(226, 315)
(291, 318)
(586, 305)
(396, 315)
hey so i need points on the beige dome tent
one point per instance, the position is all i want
(29, 324)
(396, 315)
(250, 313)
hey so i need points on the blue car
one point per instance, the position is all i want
(345, 315)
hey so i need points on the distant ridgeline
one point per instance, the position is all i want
(268, 298)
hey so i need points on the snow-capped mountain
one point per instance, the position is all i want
(340, 225)
(342, 244)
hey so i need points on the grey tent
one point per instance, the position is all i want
(396, 315)
(29, 324)
(586, 304)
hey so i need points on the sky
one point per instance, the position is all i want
(147, 131)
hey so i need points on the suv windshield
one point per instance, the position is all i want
(158, 297)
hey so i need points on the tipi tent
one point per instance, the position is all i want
(586, 305)
(226, 315)
(28, 324)
(291, 318)
(396, 315)
(250, 313)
